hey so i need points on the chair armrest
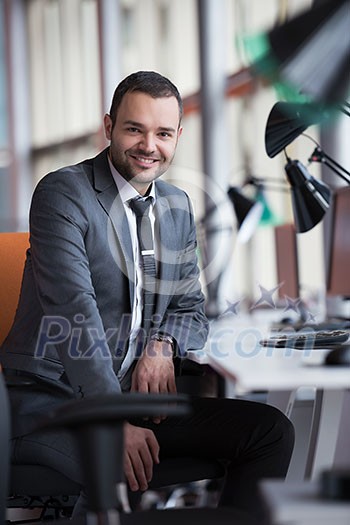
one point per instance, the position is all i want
(116, 407)
(97, 424)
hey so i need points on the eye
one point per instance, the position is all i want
(165, 134)
(133, 130)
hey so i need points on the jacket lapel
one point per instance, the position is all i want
(118, 234)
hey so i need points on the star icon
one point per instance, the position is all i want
(292, 304)
(266, 296)
(310, 317)
(231, 308)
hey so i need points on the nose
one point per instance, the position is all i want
(148, 142)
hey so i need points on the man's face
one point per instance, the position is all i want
(144, 137)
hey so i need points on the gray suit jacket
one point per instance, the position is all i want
(74, 313)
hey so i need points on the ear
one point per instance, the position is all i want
(107, 122)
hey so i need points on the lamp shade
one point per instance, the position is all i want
(287, 121)
(248, 213)
(314, 51)
(310, 197)
(308, 55)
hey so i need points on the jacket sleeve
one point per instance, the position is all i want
(58, 224)
(185, 319)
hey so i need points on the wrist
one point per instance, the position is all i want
(164, 338)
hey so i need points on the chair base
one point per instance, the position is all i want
(203, 516)
(40, 487)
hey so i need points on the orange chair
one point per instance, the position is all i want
(13, 247)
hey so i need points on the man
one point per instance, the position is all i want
(81, 328)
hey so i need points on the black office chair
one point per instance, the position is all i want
(28, 485)
(98, 426)
(41, 487)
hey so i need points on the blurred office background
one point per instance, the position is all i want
(60, 61)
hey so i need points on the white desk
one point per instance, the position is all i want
(300, 504)
(234, 351)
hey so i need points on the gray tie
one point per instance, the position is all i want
(144, 234)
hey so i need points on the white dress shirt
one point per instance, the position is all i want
(127, 192)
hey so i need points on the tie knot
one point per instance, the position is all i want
(140, 206)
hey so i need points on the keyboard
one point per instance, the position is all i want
(307, 339)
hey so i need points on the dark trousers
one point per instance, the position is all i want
(255, 440)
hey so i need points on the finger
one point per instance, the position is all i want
(143, 384)
(164, 381)
(137, 384)
(147, 461)
(166, 385)
(172, 385)
(139, 471)
(158, 388)
(129, 474)
(153, 446)
(163, 385)
(143, 388)
(171, 389)
(155, 389)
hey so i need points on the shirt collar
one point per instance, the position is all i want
(125, 189)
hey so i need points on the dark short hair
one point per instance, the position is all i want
(149, 82)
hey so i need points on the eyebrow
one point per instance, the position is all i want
(139, 125)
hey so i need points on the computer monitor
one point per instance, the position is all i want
(338, 272)
(287, 261)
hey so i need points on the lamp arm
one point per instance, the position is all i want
(253, 180)
(320, 156)
(209, 213)
(273, 183)
(283, 189)
(336, 171)
(333, 162)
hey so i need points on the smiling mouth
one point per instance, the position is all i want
(144, 160)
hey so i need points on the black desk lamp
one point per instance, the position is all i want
(310, 197)
(287, 120)
(247, 213)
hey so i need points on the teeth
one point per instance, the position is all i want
(147, 161)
